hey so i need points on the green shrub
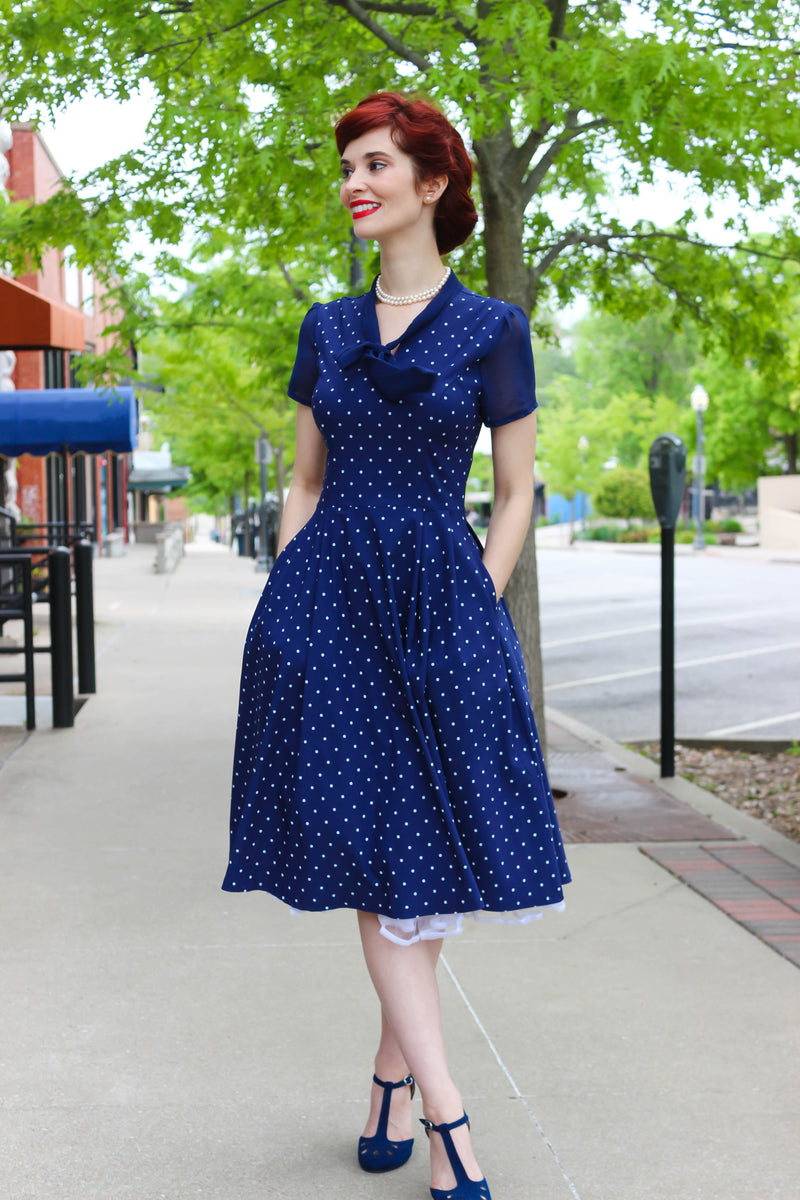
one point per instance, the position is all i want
(632, 535)
(731, 526)
(624, 493)
(686, 536)
(600, 533)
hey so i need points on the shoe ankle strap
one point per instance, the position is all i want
(407, 1082)
(444, 1128)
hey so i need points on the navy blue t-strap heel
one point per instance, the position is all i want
(466, 1188)
(377, 1153)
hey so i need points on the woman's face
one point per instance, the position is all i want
(380, 188)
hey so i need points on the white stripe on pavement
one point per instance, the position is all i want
(792, 716)
(693, 662)
(728, 617)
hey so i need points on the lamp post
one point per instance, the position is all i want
(263, 456)
(583, 446)
(699, 399)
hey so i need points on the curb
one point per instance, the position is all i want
(703, 802)
(746, 745)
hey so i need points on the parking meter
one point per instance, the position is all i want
(667, 477)
(667, 485)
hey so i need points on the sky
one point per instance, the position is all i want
(93, 130)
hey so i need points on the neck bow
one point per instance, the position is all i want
(395, 382)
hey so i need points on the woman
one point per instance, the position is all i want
(387, 758)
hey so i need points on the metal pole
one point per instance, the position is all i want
(699, 542)
(357, 275)
(667, 652)
(263, 452)
(61, 638)
(84, 616)
(30, 686)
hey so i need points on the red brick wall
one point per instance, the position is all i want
(35, 175)
(176, 509)
(32, 484)
(29, 371)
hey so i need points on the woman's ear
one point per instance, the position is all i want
(433, 189)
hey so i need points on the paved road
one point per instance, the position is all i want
(737, 642)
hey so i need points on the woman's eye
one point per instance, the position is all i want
(346, 172)
(376, 163)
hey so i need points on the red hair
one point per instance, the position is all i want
(425, 135)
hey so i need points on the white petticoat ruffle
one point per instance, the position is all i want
(406, 931)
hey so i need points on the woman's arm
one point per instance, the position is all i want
(513, 453)
(309, 468)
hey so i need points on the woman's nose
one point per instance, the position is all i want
(353, 184)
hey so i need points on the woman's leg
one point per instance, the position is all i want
(390, 1066)
(405, 980)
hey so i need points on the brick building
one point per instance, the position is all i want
(47, 318)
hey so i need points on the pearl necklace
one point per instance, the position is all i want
(417, 297)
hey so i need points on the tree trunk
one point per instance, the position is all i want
(503, 216)
(508, 279)
(790, 445)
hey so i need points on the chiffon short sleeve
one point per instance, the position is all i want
(508, 385)
(306, 370)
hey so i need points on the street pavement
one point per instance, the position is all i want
(737, 639)
(163, 1040)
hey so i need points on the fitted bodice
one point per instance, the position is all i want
(400, 421)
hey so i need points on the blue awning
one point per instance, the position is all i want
(68, 419)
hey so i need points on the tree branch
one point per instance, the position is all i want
(298, 292)
(410, 8)
(400, 8)
(389, 40)
(523, 154)
(778, 43)
(605, 241)
(573, 130)
(558, 19)
(209, 35)
(234, 403)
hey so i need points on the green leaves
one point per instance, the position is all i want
(624, 493)
(222, 354)
(562, 104)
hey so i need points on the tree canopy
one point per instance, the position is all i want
(627, 381)
(220, 352)
(553, 97)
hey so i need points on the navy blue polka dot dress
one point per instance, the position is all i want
(386, 753)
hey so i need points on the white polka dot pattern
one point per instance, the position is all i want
(386, 754)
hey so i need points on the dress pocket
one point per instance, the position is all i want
(290, 549)
(489, 582)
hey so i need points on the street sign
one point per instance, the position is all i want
(263, 450)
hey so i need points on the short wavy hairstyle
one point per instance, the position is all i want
(423, 133)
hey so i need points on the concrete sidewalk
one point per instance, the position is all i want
(162, 1040)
